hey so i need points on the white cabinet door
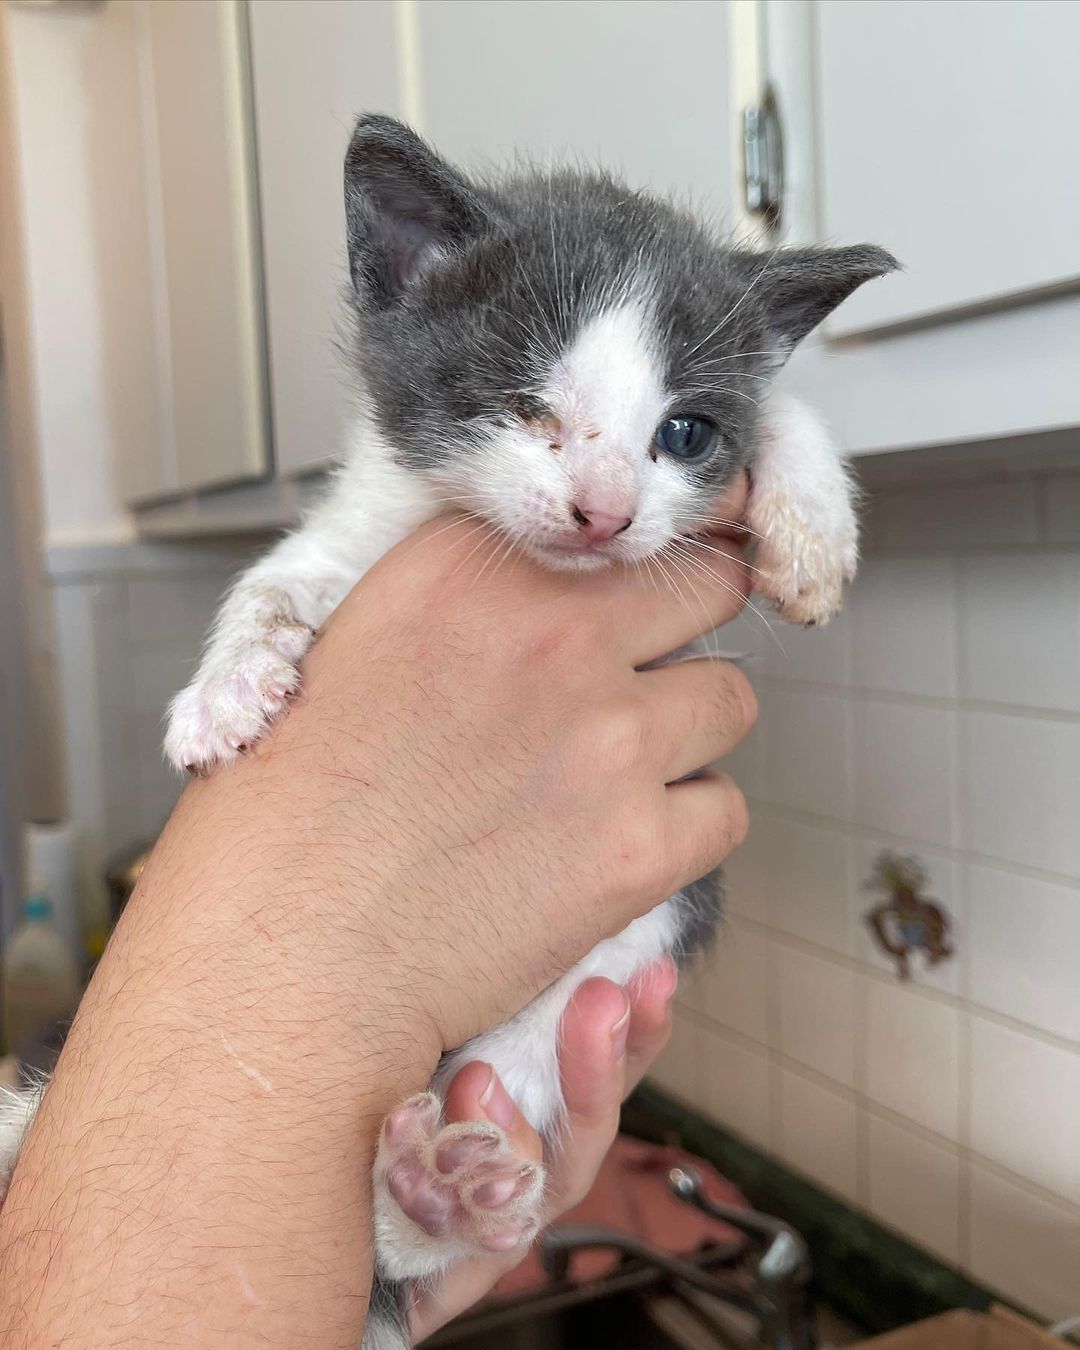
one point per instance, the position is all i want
(198, 141)
(639, 88)
(316, 66)
(949, 131)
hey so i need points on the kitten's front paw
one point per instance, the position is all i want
(237, 693)
(443, 1192)
(799, 568)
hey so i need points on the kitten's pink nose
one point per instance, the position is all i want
(598, 526)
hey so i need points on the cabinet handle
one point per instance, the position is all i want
(763, 159)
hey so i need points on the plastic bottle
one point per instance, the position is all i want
(41, 980)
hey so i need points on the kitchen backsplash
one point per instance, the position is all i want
(939, 716)
(130, 619)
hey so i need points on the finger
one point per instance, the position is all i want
(650, 1019)
(700, 708)
(726, 517)
(592, 1061)
(708, 820)
(476, 1093)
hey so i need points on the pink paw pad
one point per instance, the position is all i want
(459, 1183)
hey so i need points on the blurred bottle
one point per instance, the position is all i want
(41, 982)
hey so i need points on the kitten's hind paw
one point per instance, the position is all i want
(443, 1192)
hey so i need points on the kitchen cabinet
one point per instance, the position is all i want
(315, 67)
(196, 137)
(946, 131)
(641, 89)
(903, 123)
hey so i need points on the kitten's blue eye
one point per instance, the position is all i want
(685, 437)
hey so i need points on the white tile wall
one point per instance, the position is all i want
(812, 904)
(816, 1133)
(1025, 1105)
(1020, 789)
(1020, 634)
(804, 737)
(912, 1049)
(735, 990)
(733, 1085)
(130, 623)
(817, 1013)
(942, 717)
(903, 612)
(1023, 946)
(1023, 1245)
(914, 1186)
(904, 770)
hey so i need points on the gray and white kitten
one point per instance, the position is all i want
(587, 368)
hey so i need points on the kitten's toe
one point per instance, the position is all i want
(448, 1191)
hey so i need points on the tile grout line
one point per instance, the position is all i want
(878, 1110)
(939, 996)
(872, 833)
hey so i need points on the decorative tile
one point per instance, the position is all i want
(1020, 790)
(1021, 629)
(816, 1133)
(1023, 947)
(817, 1013)
(913, 1056)
(1025, 1106)
(943, 887)
(904, 770)
(903, 617)
(914, 1186)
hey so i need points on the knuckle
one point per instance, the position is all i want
(735, 703)
(619, 734)
(733, 822)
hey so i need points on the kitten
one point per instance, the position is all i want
(587, 368)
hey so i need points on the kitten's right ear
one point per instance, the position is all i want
(404, 207)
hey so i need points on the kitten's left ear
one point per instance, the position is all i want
(404, 207)
(799, 287)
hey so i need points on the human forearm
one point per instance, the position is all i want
(201, 1164)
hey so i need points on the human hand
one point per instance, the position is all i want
(608, 1039)
(479, 767)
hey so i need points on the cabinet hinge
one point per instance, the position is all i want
(763, 159)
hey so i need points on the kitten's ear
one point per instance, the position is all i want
(799, 287)
(404, 206)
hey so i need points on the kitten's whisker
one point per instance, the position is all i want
(757, 277)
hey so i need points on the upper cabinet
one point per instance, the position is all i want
(641, 89)
(944, 130)
(190, 150)
(953, 134)
(485, 82)
(948, 132)
(315, 67)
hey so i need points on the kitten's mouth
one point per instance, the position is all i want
(576, 554)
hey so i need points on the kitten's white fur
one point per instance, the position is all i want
(608, 397)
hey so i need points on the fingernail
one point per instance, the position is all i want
(619, 1032)
(496, 1104)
